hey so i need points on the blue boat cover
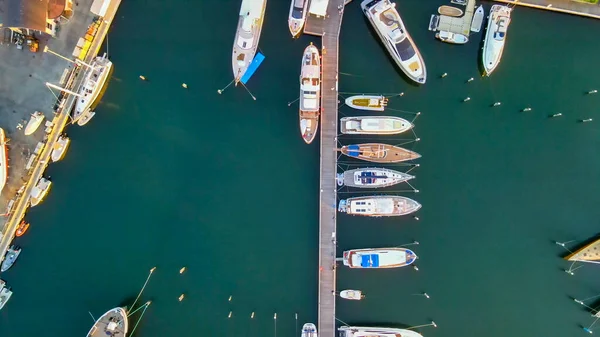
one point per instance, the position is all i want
(369, 261)
(258, 59)
(353, 150)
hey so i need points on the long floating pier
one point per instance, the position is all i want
(74, 82)
(328, 27)
(567, 7)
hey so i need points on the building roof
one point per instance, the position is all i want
(55, 8)
(29, 14)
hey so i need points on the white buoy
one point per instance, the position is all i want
(557, 114)
(416, 268)
(401, 94)
(275, 316)
(426, 295)
(181, 297)
(184, 85)
(586, 120)
(142, 77)
(219, 91)
(230, 297)
(230, 313)
(444, 75)
(252, 315)
(497, 104)
(470, 80)
(467, 99)
(592, 91)
(416, 218)
(182, 270)
(527, 109)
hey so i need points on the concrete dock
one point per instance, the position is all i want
(560, 6)
(74, 82)
(329, 29)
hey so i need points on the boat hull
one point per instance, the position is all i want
(247, 36)
(379, 153)
(112, 323)
(105, 67)
(3, 160)
(355, 295)
(309, 330)
(41, 189)
(310, 93)
(356, 331)
(58, 152)
(379, 206)
(86, 117)
(10, 258)
(376, 258)
(5, 294)
(372, 178)
(34, 123)
(375, 125)
(477, 19)
(366, 102)
(297, 16)
(493, 47)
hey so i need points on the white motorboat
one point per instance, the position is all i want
(379, 258)
(355, 295)
(374, 125)
(5, 293)
(3, 160)
(379, 206)
(11, 256)
(367, 102)
(495, 37)
(450, 37)
(309, 330)
(477, 19)
(39, 191)
(114, 323)
(34, 123)
(310, 93)
(297, 17)
(247, 35)
(96, 77)
(372, 178)
(85, 117)
(357, 331)
(389, 26)
(60, 148)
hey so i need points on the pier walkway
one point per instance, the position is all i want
(329, 29)
(74, 83)
(579, 8)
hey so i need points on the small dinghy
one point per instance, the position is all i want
(9, 259)
(352, 295)
(60, 148)
(23, 227)
(477, 19)
(450, 11)
(34, 123)
(449, 37)
(367, 102)
(85, 117)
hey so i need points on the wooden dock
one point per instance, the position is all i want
(328, 28)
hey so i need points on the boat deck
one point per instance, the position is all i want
(112, 324)
(461, 25)
(587, 253)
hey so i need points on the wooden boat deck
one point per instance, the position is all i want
(587, 253)
(461, 25)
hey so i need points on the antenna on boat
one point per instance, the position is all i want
(143, 287)
(220, 91)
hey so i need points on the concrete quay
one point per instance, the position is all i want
(74, 83)
(560, 6)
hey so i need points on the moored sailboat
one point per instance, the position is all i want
(495, 37)
(39, 191)
(113, 323)
(310, 93)
(374, 125)
(367, 102)
(297, 16)
(247, 35)
(34, 123)
(379, 206)
(3, 160)
(60, 148)
(389, 26)
(372, 178)
(379, 258)
(95, 79)
(356, 331)
(379, 153)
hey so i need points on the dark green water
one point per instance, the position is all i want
(225, 186)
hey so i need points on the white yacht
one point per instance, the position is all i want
(34, 123)
(495, 37)
(357, 331)
(374, 125)
(5, 293)
(349, 294)
(309, 330)
(379, 206)
(60, 148)
(96, 77)
(379, 258)
(389, 26)
(114, 323)
(250, 23)
(3, 160)
(39, 191)
(310, 93)
(297, 17)
(372, 178)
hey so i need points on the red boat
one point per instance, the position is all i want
(23, 226)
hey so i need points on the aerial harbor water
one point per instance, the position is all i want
(223, 185)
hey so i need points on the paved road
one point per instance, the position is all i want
(74, 82)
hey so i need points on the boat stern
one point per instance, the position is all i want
(346, 258)
(343, 206)
(340, 179)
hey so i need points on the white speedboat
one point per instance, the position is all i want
(3, 160)
(367, 102)
(5, 293)
(379, 258)
(85, 117)
(379, 205)
(449, 37)
(60, 148)
(247, 35)
(495, 37)
(355, 295)
(114, 323)
(297, 17)
(310, 93)
(374, 125)
(34, 123)
(372, 178)
(477, 19)
(95, 79)
(11, 256)
(309, 330)
(39, 191)
(357, 331)
(389, 26)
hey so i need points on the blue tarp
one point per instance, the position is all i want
(353, 150)
(369, 261)
(258, 59)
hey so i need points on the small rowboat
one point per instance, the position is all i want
(477, 19)
(450, 11)
(451, 37)
(352, 295)
(23, 227)
(367, 102)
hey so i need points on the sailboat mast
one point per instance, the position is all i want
(63, 89)
(83, 63)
